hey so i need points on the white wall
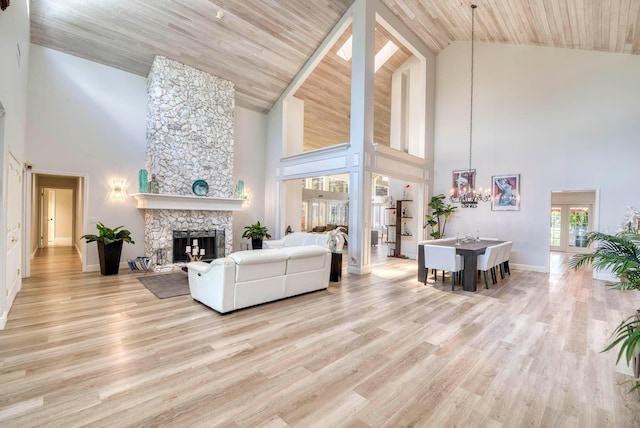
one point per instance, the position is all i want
(273, 151)
(64, 216)
(14, 36)
(249, 166)
(563, 119)
(292, 215)
(89, 119)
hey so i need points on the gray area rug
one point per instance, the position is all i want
(167, 285)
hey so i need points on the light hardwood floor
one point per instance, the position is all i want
(380, 350)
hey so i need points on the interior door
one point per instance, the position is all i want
(578, 227)
(14, 209)
(570, 225)
(49, 220)
(556, 228)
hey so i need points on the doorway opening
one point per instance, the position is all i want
(572, 219)
(321, 203)
(56, 215)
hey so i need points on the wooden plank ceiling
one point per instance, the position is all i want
(261, 45)
(327, 95)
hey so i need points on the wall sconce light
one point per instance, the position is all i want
(117, 192)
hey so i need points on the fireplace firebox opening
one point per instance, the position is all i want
(211, 241)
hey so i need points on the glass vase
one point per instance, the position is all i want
(143, 178)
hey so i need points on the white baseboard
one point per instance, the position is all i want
(63, 242)
(605, 276)
(96, 268)
(542, 269)
(93, 268)
(359, 271)
(3, 320)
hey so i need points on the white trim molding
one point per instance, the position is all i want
(152, 201)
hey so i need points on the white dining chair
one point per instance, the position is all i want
(506, 254)
(487, 262)
(445, 258)
(498, 262)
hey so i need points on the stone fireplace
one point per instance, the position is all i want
(190, 125)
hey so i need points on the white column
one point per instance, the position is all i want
(362, 100)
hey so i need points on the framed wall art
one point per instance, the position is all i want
(463, 179)
(505, 192)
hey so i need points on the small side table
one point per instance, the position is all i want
(336, 266)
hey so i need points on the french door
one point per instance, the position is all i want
(570, 225)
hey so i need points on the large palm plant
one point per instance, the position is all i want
(621, 255)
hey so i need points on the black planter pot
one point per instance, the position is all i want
(109, 257)
(256, 244)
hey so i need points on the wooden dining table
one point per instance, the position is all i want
(469, 250)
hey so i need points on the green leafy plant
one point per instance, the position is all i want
(109, 236)
(256, 231)
(620, 254)
(440, 213)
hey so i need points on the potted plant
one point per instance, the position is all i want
(256, 232)
(109, 246)
(439, 211)
(620, 254)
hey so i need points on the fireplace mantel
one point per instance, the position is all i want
(152, 201)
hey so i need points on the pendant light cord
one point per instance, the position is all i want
(473, 10)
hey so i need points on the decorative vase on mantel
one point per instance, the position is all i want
(153, 185)
(143, 179)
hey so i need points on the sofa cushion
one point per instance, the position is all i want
(258, 264)
(262, 290)
(295, 239)
(317, 239)
(306, 258)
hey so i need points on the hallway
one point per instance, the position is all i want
(55, 261)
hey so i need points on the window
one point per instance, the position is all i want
(578, 226)
(556, 226)
(338, 185)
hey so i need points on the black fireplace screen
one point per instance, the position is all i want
(211, 241)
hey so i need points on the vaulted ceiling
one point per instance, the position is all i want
(261, 45)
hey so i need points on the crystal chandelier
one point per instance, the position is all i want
(466, 195)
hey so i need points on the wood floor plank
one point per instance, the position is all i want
(379, 350)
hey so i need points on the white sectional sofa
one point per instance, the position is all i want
(248, 278)
(297, 239)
